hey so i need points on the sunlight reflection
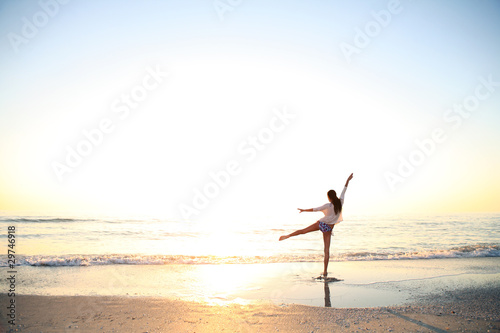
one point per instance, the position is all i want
(224, 243)
(220, 284)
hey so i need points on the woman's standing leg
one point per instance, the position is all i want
(327, 236)
(312, 227)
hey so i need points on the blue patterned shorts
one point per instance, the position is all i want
(324, 227)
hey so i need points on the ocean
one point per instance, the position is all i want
(78, 241)
(380, 260)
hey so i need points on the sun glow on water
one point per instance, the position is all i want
(221, 282)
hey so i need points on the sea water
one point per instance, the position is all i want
(90, 241)
(382, 260)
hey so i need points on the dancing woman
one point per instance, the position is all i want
(333, 215)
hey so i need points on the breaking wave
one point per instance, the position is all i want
(469, 251)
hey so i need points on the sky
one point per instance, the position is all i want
(232, 110)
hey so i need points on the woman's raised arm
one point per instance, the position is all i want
(348, 179)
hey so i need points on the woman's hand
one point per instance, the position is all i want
(301, 210)
(348, 179)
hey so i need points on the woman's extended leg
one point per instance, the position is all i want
(312, 227)
(327, 236)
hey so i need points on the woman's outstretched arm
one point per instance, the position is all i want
(305, 210)
(348, 180)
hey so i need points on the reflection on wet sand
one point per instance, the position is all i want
(326, 281)
(328, 302)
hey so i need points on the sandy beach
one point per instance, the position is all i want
(456, 313)
(443, 295)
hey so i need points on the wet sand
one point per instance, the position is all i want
(456, 312)
(443, 295)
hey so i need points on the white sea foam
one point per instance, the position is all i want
(470, 251)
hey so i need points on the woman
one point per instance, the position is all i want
(333, 215)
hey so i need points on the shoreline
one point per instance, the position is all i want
(434, 295)
(363, 283)
(446, 313)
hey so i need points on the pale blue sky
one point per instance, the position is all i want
(225, 78)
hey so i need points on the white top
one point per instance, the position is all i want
(330, 217)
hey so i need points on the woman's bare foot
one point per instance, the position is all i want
(284, 237)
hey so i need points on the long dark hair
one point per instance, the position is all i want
(337, 205)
